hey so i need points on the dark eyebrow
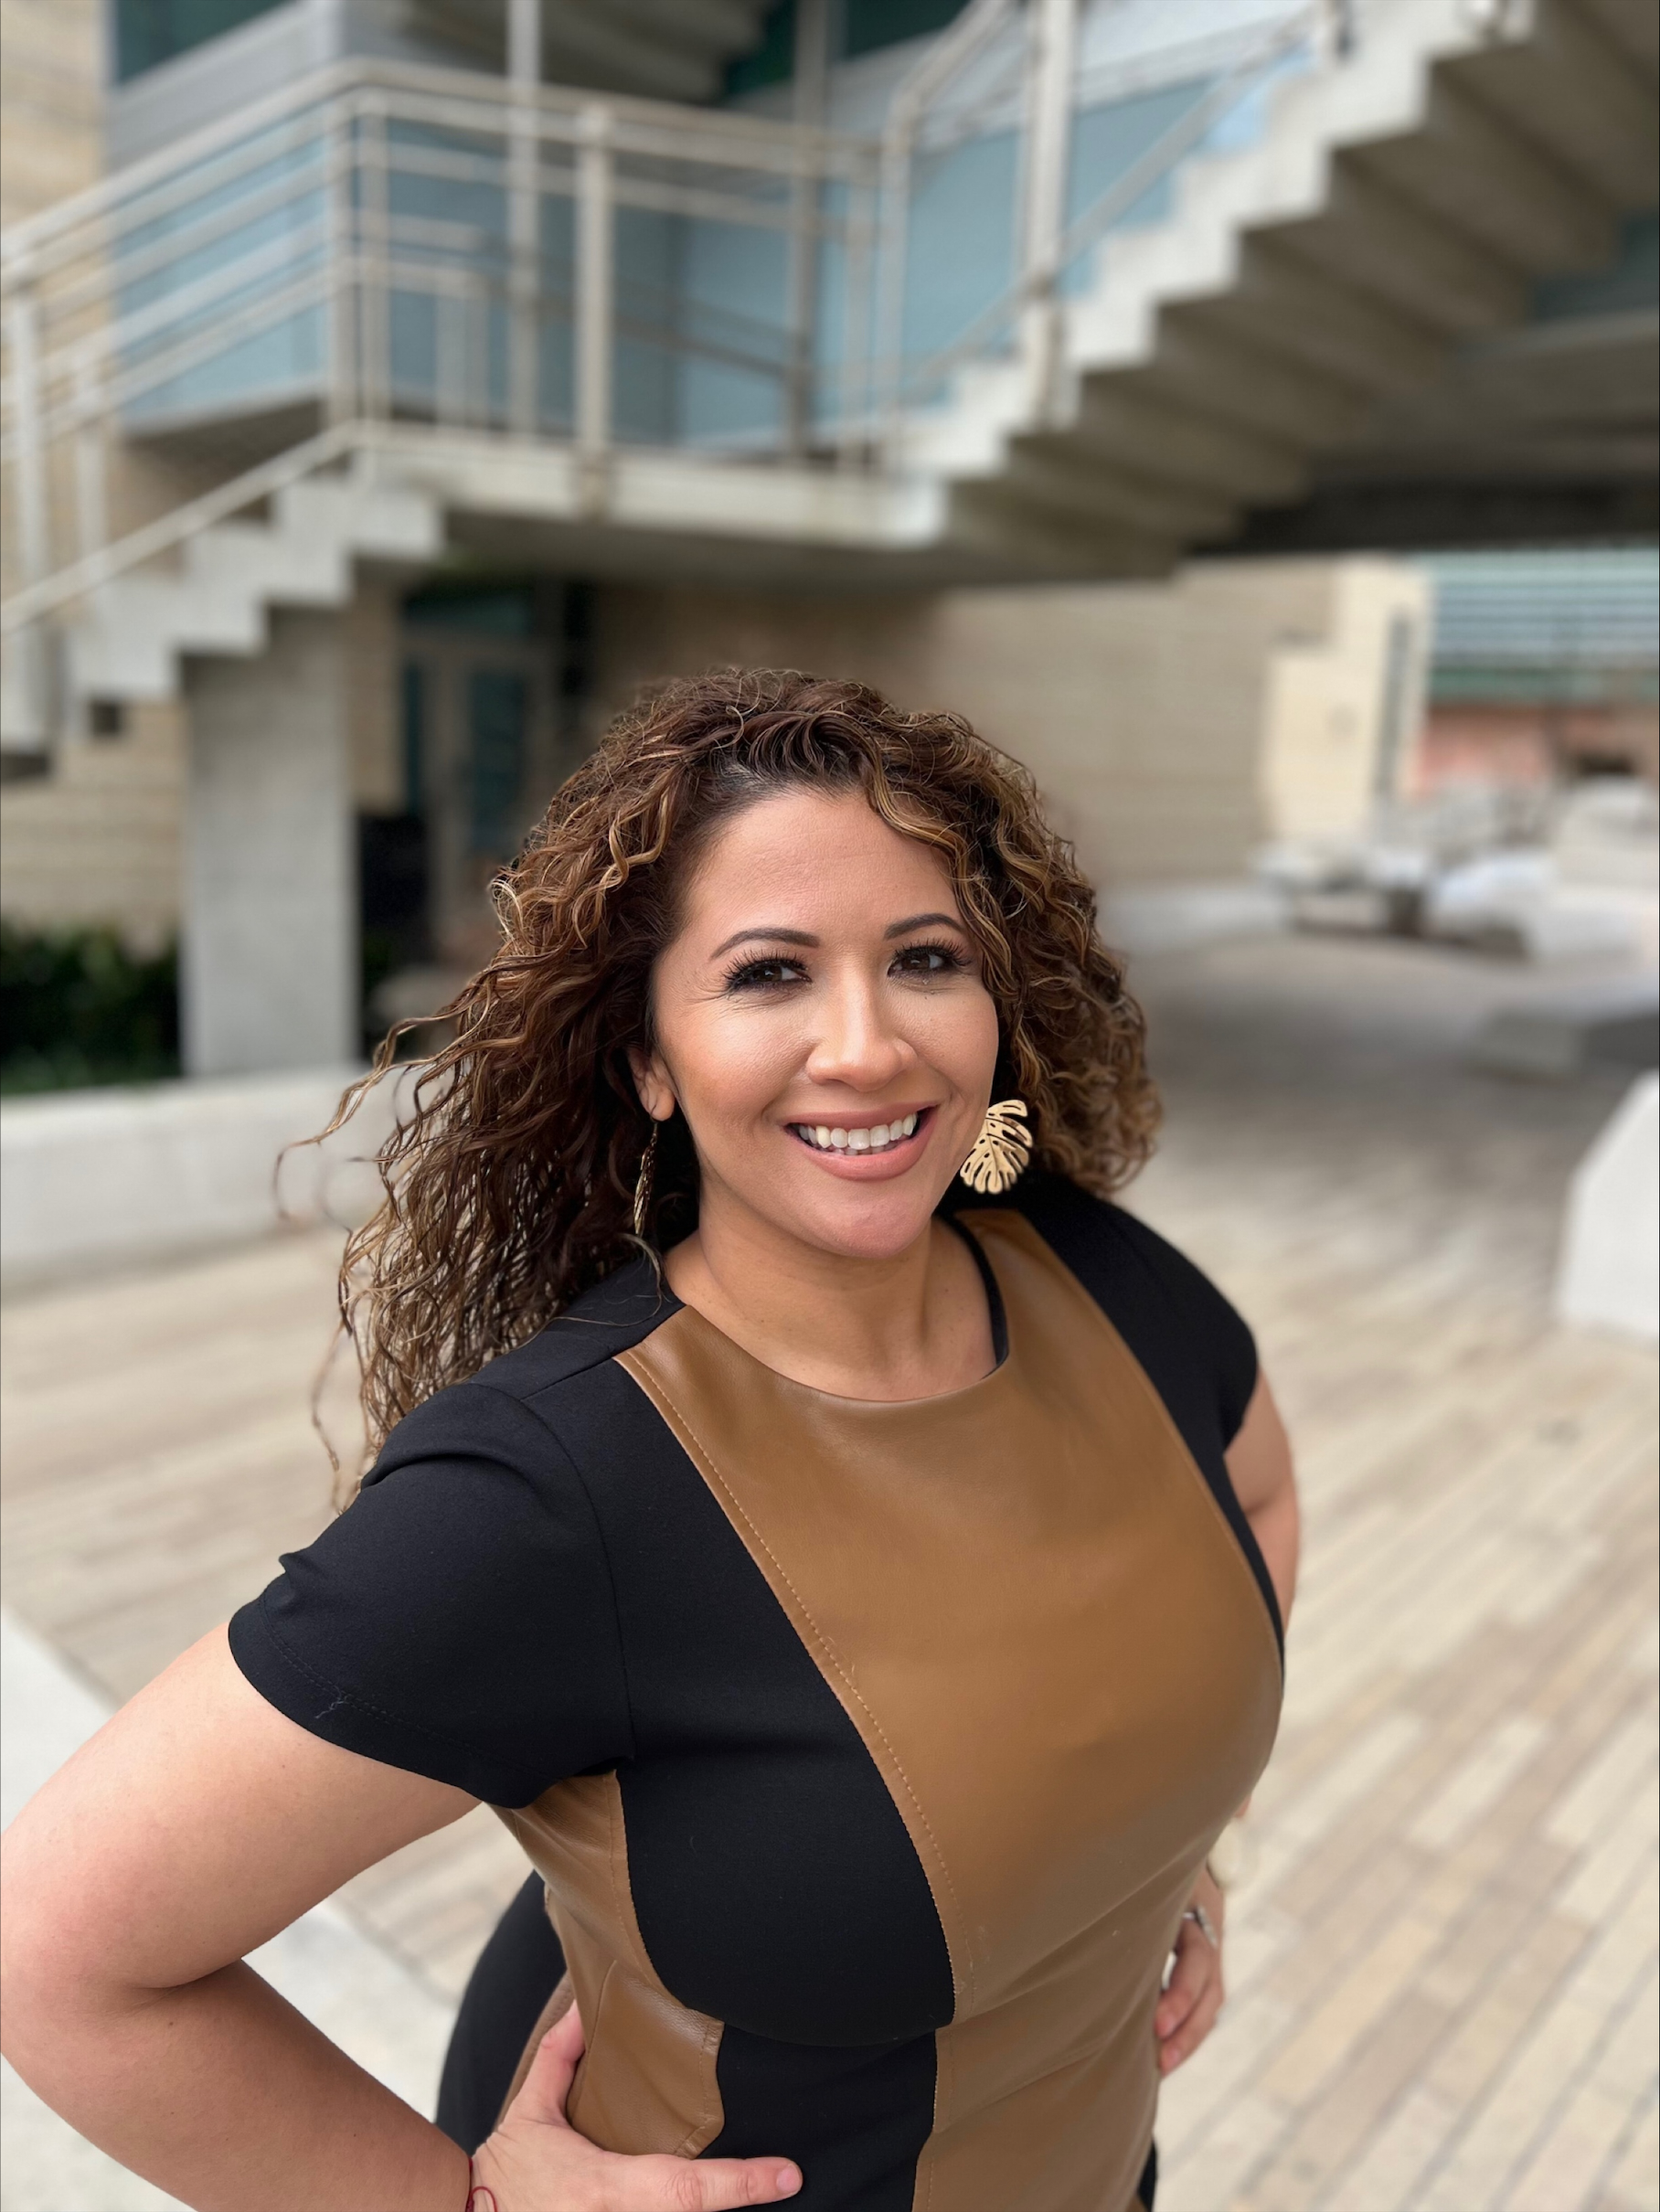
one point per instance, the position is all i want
(917, 921)
(805, 937)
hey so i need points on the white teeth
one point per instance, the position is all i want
(876, 1139)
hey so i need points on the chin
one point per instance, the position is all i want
(874, 1224)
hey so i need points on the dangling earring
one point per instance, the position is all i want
(643, 1182)
(1002, 1151)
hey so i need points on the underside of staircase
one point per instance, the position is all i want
(1296, 344)
(1268, 346)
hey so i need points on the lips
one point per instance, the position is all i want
(855, 1141)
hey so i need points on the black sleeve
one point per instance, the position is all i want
(1225, 1347)
(458, 1618)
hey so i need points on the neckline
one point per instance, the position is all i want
(1002, 1349)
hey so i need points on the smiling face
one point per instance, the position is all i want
(823, 1023)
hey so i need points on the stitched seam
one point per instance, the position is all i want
(339, 1697)
(1268, 1607)
(1150, 1391)
(580, 1480)
(831, 1659)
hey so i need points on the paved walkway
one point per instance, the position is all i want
(1443, 1963)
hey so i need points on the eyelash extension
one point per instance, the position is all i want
(748, 973)
(949, 953)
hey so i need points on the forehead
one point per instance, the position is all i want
(809, 860)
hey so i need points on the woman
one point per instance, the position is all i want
(858, 1588)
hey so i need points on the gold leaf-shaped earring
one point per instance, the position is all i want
(643, 1182)
(1003, 1149)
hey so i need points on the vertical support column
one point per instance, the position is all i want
(33, 521)
(595, 294)
(91, 505)
(30, 705)
(523, 219)
(270, 952)
(1048, 146)
(374, 254)
(344, 273)
(812, 95)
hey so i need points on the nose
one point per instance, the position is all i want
(857, 1043)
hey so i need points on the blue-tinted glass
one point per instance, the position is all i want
(497, 710)
(149, 32)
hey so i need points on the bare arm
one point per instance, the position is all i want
(1260, 1466)
(1264, 1482)
(196, 1824)
(193, 1827)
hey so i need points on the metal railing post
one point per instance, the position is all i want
(91, 505)
(1048, 147)
(33, 647)
(958, 45)
(524, 238)
(854, 392)
(375, 258)
(595, 296)
(341, 275)
(806, 195)
(33, 520)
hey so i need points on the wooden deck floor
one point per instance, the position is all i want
(1443, 1962)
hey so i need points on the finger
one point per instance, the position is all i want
(1194, 1964)
(712, 2185)
(1195, 2028)
(547, 2083)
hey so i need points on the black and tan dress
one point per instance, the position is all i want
(868, 1751)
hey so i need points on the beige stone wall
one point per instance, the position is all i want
(51, 88)
(1174, 728)
(100, 841)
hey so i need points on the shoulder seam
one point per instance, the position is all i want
(576, 1476)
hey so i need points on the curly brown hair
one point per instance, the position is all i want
(509, 1188)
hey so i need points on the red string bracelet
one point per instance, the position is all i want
(479, 2197)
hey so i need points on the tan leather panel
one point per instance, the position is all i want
(1033, 1611)
(647, 2079)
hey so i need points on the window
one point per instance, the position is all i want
(149, 32)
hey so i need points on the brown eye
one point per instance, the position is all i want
(764, 974)
(930, 959)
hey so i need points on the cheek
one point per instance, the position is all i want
(957, 1034)
(727, 1067)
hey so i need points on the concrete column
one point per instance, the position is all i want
(269, 938)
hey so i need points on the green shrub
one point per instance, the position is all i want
(77, 1007)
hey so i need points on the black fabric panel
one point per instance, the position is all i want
(1192, 1345)
(1147, 2188)
(775, 1884)
(457, 1620)
(854, 2121)
(516, 1972)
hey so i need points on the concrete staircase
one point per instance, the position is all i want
(1392, 211)
(138, 629)
(216, 597)
(1400, 203)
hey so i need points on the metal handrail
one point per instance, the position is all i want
(1090, 225)
(91, 340)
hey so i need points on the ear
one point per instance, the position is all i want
(652, 1081)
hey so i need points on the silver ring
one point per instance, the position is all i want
(1204, 1924)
